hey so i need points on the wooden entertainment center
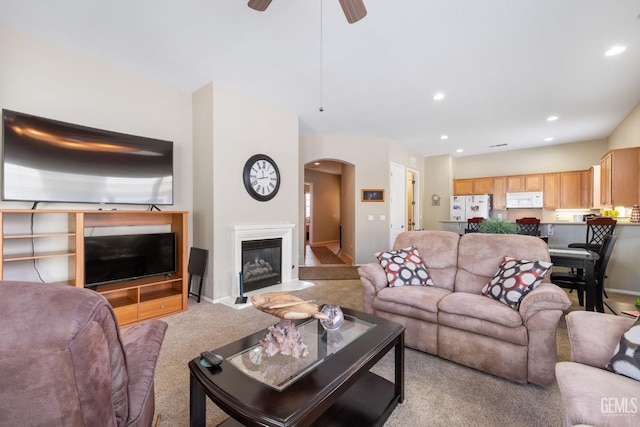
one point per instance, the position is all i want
(132, 300)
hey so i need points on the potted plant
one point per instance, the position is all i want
(498, 226)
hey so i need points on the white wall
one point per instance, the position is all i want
(46, 80)
(239, 126)
(371, 158)
(553, 158)
(627, 134)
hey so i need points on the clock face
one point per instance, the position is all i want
(261, 177)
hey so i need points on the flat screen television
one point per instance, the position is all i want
(127, 257)
(45, 160)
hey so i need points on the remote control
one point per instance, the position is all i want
(211, 358)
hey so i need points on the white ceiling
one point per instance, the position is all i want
(504, 65)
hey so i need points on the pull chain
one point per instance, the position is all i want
(321, 63)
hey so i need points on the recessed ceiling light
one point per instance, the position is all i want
(444, 137)
(317, 163)
(552, 118)
(548, 139)
(459, 150)
(438, 96)
(615, 50)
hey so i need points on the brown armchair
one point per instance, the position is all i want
(64, 360)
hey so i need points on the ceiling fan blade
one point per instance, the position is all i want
(354, 10)
(259, 5)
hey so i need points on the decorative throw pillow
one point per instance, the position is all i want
(515, 279)
(404, 267)
(626, 358)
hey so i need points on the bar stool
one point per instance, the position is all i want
(528, 225)
(473, 224)
(197, 267)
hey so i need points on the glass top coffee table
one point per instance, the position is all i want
(331, 386)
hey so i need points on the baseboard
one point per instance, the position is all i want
(328, 242)
(346, 258)
(622, 291)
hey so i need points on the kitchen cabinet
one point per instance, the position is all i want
(462, 187)
(620, 177)
(532, 182)
(499, 194)
(551, 190)
(572, 195)
(472, 186)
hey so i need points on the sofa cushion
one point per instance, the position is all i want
(626, 358)
(481, 254)
(515, 279)
(439, 250)
(404, 267)
(478, 314)
(419, 302)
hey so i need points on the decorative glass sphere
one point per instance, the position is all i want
(335, 317)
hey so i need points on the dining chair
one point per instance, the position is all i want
(473, 224)
(577, 281)
(597, 229)
(528, 225)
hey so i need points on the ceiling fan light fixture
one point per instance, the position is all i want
(354, 10)
(259, 5)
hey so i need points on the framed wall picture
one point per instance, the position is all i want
(372, 195)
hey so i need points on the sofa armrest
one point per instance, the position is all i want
(142, 344)
(593, 336)
(546, 296)
(373, 279)
(541, 310)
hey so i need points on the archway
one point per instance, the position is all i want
(329, 209)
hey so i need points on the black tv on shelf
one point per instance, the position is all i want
(126, 257)
(45, 160)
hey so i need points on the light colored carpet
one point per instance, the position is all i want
(438, 392)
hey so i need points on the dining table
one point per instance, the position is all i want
(581, 259)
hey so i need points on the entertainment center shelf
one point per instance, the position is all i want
(132, 300)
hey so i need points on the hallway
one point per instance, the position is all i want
(310, 259)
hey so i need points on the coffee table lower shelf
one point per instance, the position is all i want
(369, 402)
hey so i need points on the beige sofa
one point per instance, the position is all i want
(455, 321)
(592, 395)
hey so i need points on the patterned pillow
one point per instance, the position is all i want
(515, 279)
(404, 267)
(626, 358)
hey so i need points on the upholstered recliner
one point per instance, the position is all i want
(65, 362)
(591, 394)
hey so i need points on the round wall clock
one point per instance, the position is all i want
(261, 177)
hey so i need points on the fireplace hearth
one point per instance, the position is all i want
(261, 263)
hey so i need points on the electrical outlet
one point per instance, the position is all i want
(370, 217)
(550, 230)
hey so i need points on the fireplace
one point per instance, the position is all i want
(261, 263)
(244, 235)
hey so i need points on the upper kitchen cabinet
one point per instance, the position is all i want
(551, 190)
(499, 193)
(472, 186)
(574, 190)
(517, 183)
(620, 177)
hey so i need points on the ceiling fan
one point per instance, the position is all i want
(354, 10)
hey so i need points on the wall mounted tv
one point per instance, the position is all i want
(124, 257)
(46, 160)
